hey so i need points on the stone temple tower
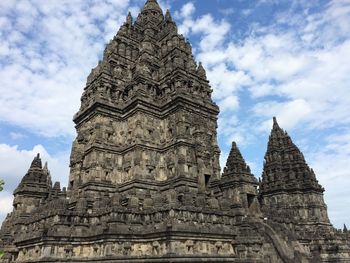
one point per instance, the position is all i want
(145, 182)
(146, 112)
(289, 189)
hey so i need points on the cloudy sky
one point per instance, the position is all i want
(264, 58)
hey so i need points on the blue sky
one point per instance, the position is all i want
(264, 58)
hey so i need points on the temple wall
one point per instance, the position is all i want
(144, 147)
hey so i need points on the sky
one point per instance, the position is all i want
(264, 58)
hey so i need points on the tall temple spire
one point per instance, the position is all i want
(147, 58)
(286, 172)
(276, 131)
(145, 173)
(147, 65)
(285, 164)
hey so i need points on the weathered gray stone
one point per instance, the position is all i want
(145, 182)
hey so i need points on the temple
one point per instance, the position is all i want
(145, 182)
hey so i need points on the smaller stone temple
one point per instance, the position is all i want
(145, 183)
(289, 189)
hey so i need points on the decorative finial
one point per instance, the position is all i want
(151, 10)
(201, 71)
(168, 16)
(275, 120)
(129, 19)
(248, 169)
(36, 163)
(46, 169)
(235, 162)
(275, 123)
(152, 5)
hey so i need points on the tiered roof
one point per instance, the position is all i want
(148, 60)
(285, 168)
(36, 179)
(236, 167)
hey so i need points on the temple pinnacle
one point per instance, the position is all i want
(275, 123)
(145, 180)
(36, 163)
(235, 162)
(152, 5)
(129, 19)
(168, 16)
(201, 71)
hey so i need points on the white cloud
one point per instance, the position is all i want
(214, 32)
(247, 12)
(226, 82)
(47, 49)
(277, 61)
(187, 10)
(229, 103)
(260, 90)
(331, 164)
(227, 11)
(5, 205)
(334, 20)
(185, 15)
(289, 114)
(310, 80)
(17, 135)
(223, 159)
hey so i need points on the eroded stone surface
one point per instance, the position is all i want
(145, 182)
